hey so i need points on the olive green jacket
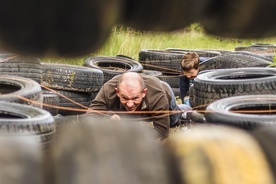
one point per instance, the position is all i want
(156, 101)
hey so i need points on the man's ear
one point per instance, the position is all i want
(145, 92)
(117, 92)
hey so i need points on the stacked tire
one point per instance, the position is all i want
(221, 83)
(15, 65)
(22, 159)
(21, 120)
(168, 62)
(235, 60)
(222, 155)
(21, 101)
(105, 151)
(20, 90)
(113, 65)
(247, 112)
(74, 85)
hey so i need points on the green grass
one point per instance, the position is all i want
(129, 42)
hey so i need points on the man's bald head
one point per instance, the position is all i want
(131, 90)
(131, 79)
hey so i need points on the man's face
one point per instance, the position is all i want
(191, 74)
(131, 98)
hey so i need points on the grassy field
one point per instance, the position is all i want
(129, 42)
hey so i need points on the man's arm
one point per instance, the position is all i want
(106, 102)
(100, 102)
(160, 117)
(99, 105)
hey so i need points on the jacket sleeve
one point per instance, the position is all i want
(105, 100)
(99, 105)
(184, 85)
(160, 117)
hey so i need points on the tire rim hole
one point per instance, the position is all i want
(263, 109)
(6, 89)
(117, 67)
(242, 77)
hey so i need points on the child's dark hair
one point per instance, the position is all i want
(190, 61)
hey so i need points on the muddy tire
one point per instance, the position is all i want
(20, 90)
(23, 118)
(176, 92)
(28, 67)
(228, 19)
(73, 29)
(149, 15)
(266, 139)
(50, 102)
(73, 102)
(201, 53)
(112, 66)
(253, 55)
(26, 121)
(160, 60)
(234, 60)
(172, 80)
(222, 83)
(20, 154)
(258, 48)
(71, 77)
(246, 111)
(104, 145)
(219, 154)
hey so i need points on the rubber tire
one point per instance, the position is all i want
(172, 80)
(176, 92)
(72, 29)
(119, 65)
(21, 90)
(236, 60)
(50, 102)
(220, 154)
(160, 60)
(253, 55)
(200, 52)
(73, 102)
(258, 48)
(191, 95)
(94, 145)
(28, 67)
(228, 19)
(72, 77)
(150, 16)
(266, 138)
(247, 111)
(25, 119)
(20, 153)
(222, 83)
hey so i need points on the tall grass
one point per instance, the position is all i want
(129, 42)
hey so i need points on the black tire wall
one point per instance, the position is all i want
(94, 145)
(112, 66)
(222, 83)
(246, 111)
(71, 77)
(20, 90)
(28, 67)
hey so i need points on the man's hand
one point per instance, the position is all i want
(115, 117)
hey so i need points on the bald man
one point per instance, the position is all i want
(139, 97)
